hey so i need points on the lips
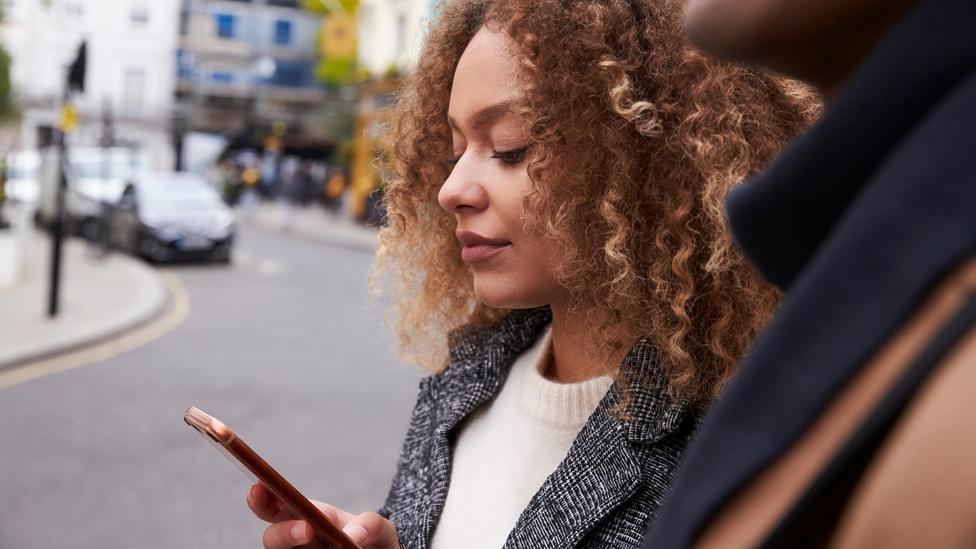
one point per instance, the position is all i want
(476, 248)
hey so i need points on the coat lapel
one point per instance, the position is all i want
(599, 473)
(480, 361)
(604, 467)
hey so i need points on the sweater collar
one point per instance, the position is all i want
(481, 358)
(782, 217)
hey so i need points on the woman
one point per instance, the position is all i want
(557, 213)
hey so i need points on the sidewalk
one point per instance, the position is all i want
(99, 298)
(312, 222)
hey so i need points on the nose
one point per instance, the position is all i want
(462, 191)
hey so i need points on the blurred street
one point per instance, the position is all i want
(279, 344)
(189, 191)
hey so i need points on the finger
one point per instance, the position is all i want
(372, 531)
(335, 515)
(289, 534)
(266, 506)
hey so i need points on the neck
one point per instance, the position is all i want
(577, 355)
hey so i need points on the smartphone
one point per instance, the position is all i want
(258, 470)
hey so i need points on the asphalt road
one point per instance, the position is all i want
(281, 346)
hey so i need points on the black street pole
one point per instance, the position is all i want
(75, 81)
(57, 231)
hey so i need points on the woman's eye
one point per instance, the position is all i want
(512, 157)
(451, 162)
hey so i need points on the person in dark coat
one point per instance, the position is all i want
(850, 422)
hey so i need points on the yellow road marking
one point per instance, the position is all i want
(155, 329)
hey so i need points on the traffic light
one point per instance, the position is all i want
(76, 73)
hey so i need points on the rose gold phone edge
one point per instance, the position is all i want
(247, 459)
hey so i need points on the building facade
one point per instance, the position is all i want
(131, 69)
(246, 66)
(391, 34)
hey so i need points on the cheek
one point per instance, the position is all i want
(524, 280)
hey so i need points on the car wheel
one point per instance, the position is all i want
(221, 255)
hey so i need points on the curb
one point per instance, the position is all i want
(153, 299)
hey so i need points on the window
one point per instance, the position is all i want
(291, 74)
(133, 89)
(139, 14)
(184, 64)
(282, 32)
(222, 77)
(226, 25)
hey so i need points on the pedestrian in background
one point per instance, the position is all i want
(230, 181)
(557, 247)
(250, 179)
(850, 423)
(290, 190)
(333, 190)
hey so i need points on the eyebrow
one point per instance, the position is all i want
(485, 116)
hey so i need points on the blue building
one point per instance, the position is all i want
(244, 65)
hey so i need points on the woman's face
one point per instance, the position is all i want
(486, 188)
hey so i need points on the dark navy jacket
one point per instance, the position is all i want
(857, 221)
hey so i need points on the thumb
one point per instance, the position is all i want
(372, 531)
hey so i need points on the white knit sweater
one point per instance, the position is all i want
(506, 450)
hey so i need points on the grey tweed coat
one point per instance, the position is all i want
(604, 493)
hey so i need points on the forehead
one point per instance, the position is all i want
(486, 77)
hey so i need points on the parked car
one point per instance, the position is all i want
(169, 216)
(21, 183)
(95, 179)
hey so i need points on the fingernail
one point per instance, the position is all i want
(299, 533)
(355, 532)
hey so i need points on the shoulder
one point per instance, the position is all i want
(918, 490)
(895, 447)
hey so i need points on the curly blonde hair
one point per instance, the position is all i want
(636, 138)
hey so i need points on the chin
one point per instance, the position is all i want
(500, 300)
(505, 295)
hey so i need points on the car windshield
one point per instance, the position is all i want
(21, 172)
(22, 166)
(178, 195)
(112, 163)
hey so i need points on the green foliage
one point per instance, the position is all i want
(392, 71)
(335, 72)
(327, 6)
(8, 108)
(332, 72)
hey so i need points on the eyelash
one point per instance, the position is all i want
(512, 157)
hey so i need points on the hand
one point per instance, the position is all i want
(369, 530)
